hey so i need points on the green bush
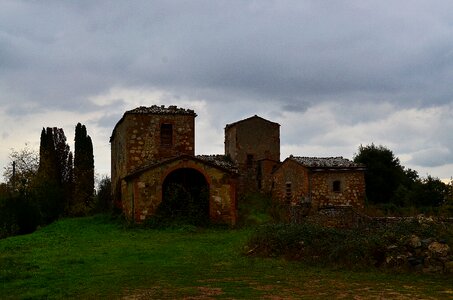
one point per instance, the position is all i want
(19, 214)
(257, 209)
(353, 248)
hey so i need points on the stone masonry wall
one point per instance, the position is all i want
(295, 184)
(293, 174)
(143, 193)
(247, 142)
(136, 142)
(352, 189)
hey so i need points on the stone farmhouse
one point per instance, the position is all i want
(153, 151)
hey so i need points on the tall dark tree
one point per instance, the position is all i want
(64, 165)
(383, 175)
(53, 164)
(83, 172)
(430, 192)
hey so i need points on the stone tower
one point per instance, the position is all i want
(254, 145)
(145, 135)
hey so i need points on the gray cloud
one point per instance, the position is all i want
(354, 64)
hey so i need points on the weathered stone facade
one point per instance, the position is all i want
(136, 139)
(143, 189)
(152, 146)
(254, 145)
(147, 145)
(319, 182)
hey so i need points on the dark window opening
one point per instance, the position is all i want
(259, 175)
(288, 191)
(249, 161)
(336, 186)
(166, 134)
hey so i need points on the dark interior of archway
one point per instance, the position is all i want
(185, 197)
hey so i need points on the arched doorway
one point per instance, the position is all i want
(185, 197)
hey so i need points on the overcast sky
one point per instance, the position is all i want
(334, 74)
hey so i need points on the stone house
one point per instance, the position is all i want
(253, 144)
(153, 151)
(319, 182)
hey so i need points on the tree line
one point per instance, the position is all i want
(391, 185)
(43, 187)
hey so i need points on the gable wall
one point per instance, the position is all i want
(295, 174)
(256, 137)
(143, 194)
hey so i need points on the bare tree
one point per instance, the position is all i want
(22, 167)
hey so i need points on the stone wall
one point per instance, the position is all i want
(295, 184)
(246, 143)
(143, 191)
(136, 142)
(291, 183)
(352, 188)
(265, 168)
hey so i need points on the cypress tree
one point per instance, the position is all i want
(48, 184)
(83, 172)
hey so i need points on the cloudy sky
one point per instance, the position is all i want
(334, 74)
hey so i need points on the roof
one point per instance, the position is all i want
(326, 162)
(155, 110)
(248, 119)
(223, 161)
(161, 110)
(217, 161)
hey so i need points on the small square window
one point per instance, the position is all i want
(336, 186)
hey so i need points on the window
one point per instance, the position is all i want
(336, 186)
(249, 161)
(166, 134)
(288, 192)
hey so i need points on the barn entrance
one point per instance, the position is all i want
(185, 197)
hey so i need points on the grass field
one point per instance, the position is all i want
(95, 257)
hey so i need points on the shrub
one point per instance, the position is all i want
(352, 248)
(257, 209)
(19, 214)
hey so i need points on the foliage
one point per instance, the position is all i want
(388, 182)
(52, 187)
(26, 162)
(83, 172)
(97, 258)
(183, 205)
(19, 214)
(383, 172)
(352, 248)
(104, 195)
(258, 208)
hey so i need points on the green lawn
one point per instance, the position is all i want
(96, 258)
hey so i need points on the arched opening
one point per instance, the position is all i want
(185, 197)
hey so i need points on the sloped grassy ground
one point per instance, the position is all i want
(96, 257)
